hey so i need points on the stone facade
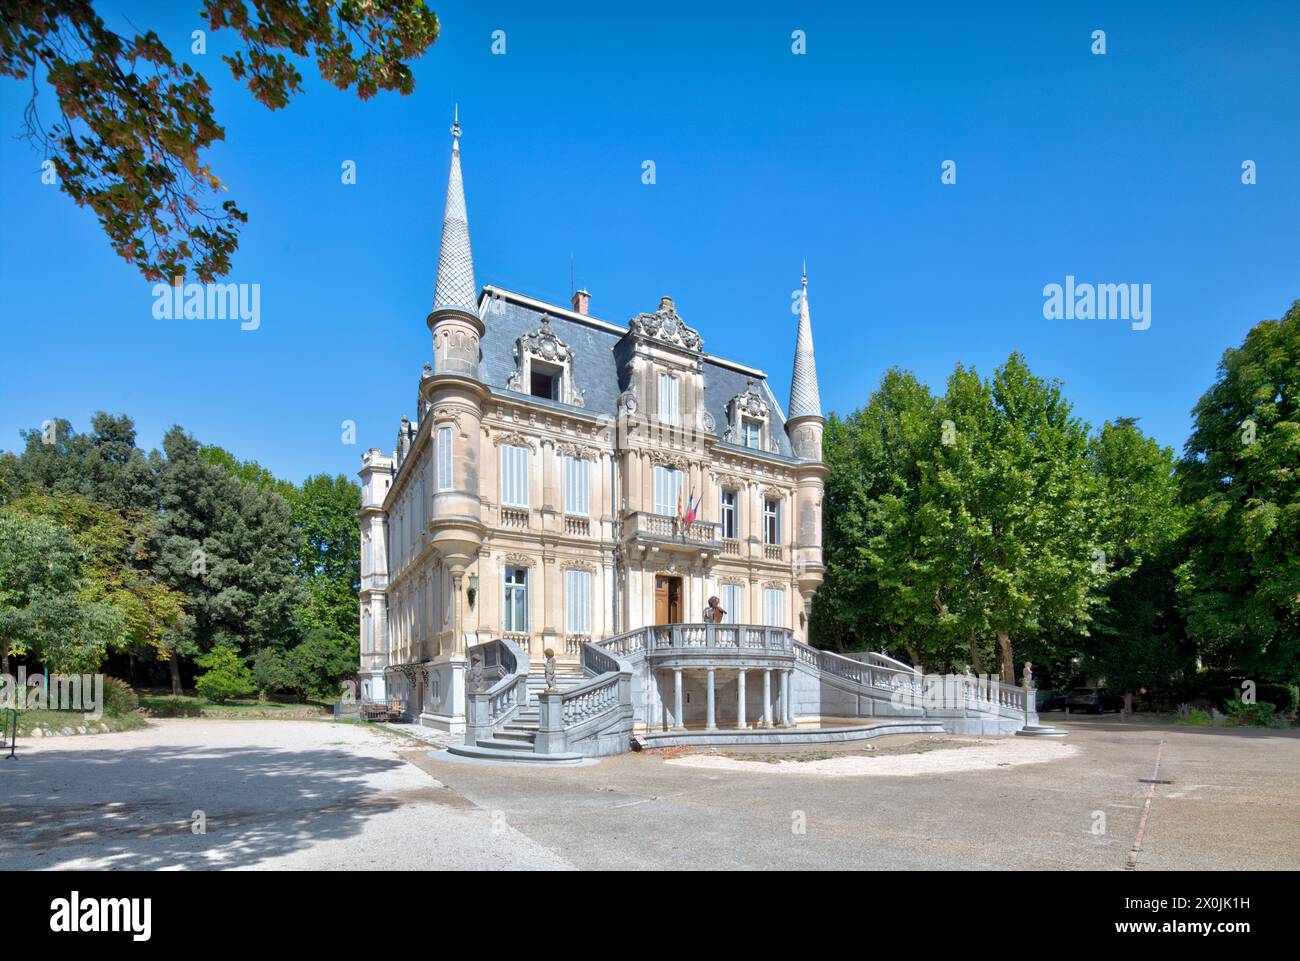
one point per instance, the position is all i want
(565, 479)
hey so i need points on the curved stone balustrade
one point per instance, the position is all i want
(504, 677)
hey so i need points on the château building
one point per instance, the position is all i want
(564, 480)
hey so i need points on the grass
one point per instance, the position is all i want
(57, 721)
(188, 705)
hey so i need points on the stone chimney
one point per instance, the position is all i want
(581, 302)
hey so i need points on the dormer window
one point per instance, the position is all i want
(750, 420)
(545, 380)
(544, 367)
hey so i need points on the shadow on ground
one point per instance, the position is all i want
(135, 808)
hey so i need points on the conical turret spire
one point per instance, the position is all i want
(805, 398)
(455, 287)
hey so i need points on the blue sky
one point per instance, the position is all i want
(1123, 168)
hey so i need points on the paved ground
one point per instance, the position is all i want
(316, 795)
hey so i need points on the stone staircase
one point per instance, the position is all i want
(514, 740)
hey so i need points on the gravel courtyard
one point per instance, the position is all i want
(315, 795)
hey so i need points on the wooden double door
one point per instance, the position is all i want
(668, 599)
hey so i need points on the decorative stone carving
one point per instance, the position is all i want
(668, 459)
(576, 451)
(627, 400)
(666, 327)
(774, 493)
(515, 439)
(750, 403)
(517, 560)
(550, 671)
(578, 566)
(546, 344)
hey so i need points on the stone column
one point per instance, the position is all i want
(677, 699)
(785, 699)
(767, 697)
(711, 723)
(740, 700)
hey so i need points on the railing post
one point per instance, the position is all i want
(550, 723)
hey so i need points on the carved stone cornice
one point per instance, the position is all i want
(666, 327)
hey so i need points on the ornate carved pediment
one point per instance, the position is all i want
(733, 581)
(515, 439)
(578, 566)
(667, 459)
(517, 560)
(545, 343)
(666, 327)
(577, 451)
(774, 493)
(750, 403)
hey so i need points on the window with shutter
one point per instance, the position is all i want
(444, 454)
(514, 476)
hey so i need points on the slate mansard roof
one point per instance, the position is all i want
(599, 362)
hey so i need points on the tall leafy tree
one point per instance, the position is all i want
(229, 547)
(1240, 584)
(1137, 640)
(134, 121)
(882, 587)
(118, 554)
(102, 464)
(1013, 502)
(325, 509)
(45, 611)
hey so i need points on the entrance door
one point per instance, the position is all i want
(668, 600)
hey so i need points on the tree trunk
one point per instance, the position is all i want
(911, 652)
(4, 657)
(976, 659)
(1007, 658)
(176, 674)
(1128, 704)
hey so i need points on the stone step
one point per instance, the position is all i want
(1041, 730)
(523, 735)
(510, 753)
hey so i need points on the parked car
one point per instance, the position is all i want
(1094, 700)
(1051, 700)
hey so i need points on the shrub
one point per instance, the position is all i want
(1255, 715)
(1285, 696)
(225, 675)
(1192, 716)
(119, 699)
(272, 672)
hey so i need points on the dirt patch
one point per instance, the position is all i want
(801, 754)
(933, 755)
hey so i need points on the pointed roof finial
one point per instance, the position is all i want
(455, 286)
(805, 397)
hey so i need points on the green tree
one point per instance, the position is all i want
(230, 548)
(322, 658)
(1014, 506)
(1137, 640)
(1240, 583)
(118, 552)
(881, 583)
(103, 464)
(134, 122)
(325, 509)
(44, 612)
(224, 675)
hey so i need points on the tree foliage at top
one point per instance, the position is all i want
(1240, 583)
(133, 121)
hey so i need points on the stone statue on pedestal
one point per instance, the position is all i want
(550, 670)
